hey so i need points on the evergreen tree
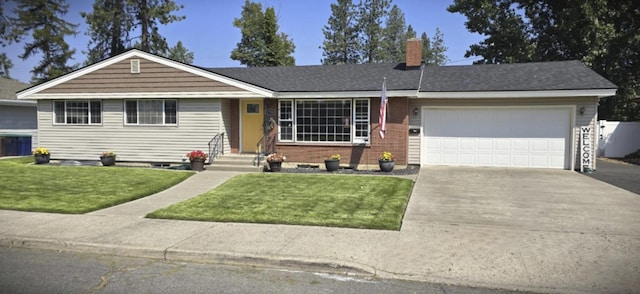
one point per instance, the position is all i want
(148, 15)
(438, 49)
(261, 44)
(340, 45)
(109, 26)
(394, 38)
(371, 17)
(427, 53)
(5, 26)
(5, 65)
(44, 20)
(180, 53)
(112, 22)
(603, 34)
(411, 33)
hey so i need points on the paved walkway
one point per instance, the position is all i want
(483, 256)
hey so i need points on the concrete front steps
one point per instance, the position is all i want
(235, 162)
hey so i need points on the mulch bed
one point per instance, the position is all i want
(316, 169)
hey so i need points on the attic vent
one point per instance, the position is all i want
(135, 66)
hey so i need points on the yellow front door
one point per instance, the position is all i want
(252, 116)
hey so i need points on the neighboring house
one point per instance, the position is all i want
(18, 123)
(152, 109)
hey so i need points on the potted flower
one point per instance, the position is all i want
(197, 158)
(275, 161)
(332, 163)
(108, 158)
(41, 155)
(386, 162)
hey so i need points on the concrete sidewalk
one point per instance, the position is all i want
(494, 257)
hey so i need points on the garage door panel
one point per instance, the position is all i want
(485, 144)
(536, 137)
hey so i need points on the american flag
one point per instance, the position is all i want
(382, 120)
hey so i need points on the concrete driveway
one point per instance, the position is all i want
(524, 199)
(619, 174)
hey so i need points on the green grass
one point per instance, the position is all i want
(370, 202)
(77, 189)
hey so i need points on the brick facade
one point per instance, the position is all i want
(395, 141)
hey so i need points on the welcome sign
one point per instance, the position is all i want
(586, 149)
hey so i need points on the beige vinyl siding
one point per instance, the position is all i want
(198, 121)
(153, 77)
(589, 117)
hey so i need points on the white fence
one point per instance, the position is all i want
(617, 139)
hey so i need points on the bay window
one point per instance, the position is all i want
(324, 120)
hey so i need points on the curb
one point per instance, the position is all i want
(227, 258)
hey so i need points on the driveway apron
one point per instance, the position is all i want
(619, 174)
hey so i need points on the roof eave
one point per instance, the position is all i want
(7, 102)
(520, 94)
(344, 94)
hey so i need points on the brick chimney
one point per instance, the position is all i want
(414, 53)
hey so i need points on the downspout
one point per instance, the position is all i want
(422, 65)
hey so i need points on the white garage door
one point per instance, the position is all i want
(510, 137)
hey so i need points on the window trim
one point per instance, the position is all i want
(352, 133)
(164, 112)
(65, 116)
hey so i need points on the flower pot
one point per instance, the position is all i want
(386, 165)
(332, 164)
(108, 160)
(197, 165)
(275, 166)
(42, 158)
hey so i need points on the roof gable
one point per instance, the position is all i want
(90, 79)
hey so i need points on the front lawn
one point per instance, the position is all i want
(369, 202)
(77, 189)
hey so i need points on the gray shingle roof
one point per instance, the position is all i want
(535, 76)
(9, 87)
(326, 78)
(560, 75)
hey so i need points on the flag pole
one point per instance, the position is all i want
(382, 118)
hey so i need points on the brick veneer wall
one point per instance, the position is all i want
(395, 141)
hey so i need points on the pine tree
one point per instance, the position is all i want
(438, 49)
(5, 26)
(371, 17)
(5, 65)
(411, 33)
(180, 53)
(261, 44)
(112, 22)
(44, 20)
(605, 35)
(148, 14)
(427, 53)
(340, 45)
(109, 28)
(394, 37)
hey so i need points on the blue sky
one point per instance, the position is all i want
(208, 31)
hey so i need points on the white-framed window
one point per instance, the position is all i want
(361, 119)
(151, 112)
(285, 120)
(324, 120)
(77, 112)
